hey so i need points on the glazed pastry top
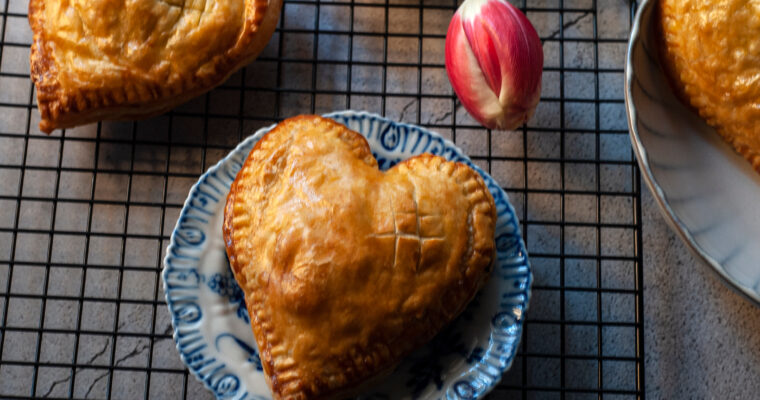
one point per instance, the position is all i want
(346, 268)
(712, 53)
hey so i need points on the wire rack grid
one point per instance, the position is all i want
(86, 214)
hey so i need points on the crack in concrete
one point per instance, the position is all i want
(92, 385)
(134, 352)
(56, 383)
(439, 119)
(403, 112)
(569, 24)
(99, 353)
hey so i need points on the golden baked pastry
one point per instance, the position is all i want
(118, 59)
(345, 268)
(712, 54)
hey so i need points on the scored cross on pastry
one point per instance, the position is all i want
(345, 268)
(117, 59)
(416, 234)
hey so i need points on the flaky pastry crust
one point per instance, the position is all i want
(116, 59)
(711, 51)
(345, 268)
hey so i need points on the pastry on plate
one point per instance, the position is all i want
(116, 59)
(711, 51)
(345, 268)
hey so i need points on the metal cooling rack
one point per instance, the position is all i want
(85, 214)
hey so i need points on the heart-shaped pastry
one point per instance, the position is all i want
(118, 59)
(345, 268)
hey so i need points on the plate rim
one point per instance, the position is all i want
(642, 158)
(166, 262)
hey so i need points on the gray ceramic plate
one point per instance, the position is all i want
(707, 192)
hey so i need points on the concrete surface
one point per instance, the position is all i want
(701, 339)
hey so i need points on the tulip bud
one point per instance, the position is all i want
(494, 60)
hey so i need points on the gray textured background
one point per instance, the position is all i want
(702, 340)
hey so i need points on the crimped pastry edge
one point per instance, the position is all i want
(260, 318)
(60, 108)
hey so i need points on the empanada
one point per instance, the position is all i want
(345, 268)
(711, 51)
(116, 59)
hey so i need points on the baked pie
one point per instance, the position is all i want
(116, 59)
(711, 51)
(346, 268)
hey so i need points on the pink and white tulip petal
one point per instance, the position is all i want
(494, 60)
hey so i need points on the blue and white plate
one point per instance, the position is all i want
(212, 328)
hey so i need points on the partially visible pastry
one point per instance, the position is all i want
(117, 59)
(345, 268)
(711, 50)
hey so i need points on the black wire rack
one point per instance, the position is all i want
(86, 214)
